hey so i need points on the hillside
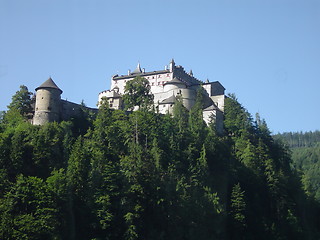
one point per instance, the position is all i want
(305, 149)
(146, 175)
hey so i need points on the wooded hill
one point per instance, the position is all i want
(145, 175)
(305, 148)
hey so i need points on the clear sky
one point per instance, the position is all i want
(266, 52)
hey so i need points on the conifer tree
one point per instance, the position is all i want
(238, 207)
(21, 101)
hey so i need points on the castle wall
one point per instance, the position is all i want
(156, 81)
(181, 74)
(166, 108)
(216, 92)
(47, 106)
(70, 110)
(115, 103)
(216, 116)
(219, 101)
(42, 117)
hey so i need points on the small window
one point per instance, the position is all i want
(110, 105)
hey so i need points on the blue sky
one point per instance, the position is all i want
(266, 52)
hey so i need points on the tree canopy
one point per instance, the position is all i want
(146, 175)
(21, 101)
(137, 93)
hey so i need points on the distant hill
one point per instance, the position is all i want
(305, 148)
(299, 139)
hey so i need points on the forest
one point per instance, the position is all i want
(144, 175)
(305, 152)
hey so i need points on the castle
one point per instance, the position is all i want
(166, 86)
(49, 107)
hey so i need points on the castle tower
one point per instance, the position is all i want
(48, 103)
(172, 64)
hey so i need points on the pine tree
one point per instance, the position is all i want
(21, 101)
(238, 207)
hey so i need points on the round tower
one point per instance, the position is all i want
(48, 103)
(174, 84)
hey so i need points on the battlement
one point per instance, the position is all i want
(185, 77)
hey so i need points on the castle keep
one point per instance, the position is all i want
(166, 86)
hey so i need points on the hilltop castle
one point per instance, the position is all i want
(166, 85)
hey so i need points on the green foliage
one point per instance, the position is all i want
(137, 93)
(28, 211)
(144, 175)
(21, 101)
(238, 207)
(305, 149)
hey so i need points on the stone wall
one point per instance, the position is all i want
(70, 110)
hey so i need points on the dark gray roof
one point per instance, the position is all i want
(210, 108)
(169, 100)
(213, 83)
(175, 81)
(117, 77)
(49, 84)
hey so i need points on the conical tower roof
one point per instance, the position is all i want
(137, 70)
(49, 84)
